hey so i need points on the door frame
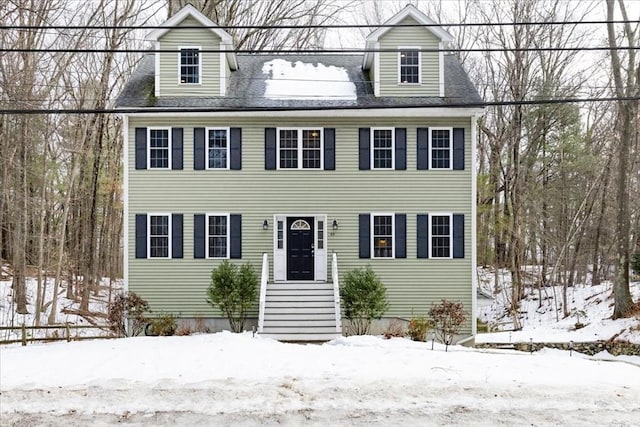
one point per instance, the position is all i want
(319, 243)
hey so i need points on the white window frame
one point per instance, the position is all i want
(207, 235)
(393, 148)
(393, 234)
(169, 243)
(404, 49)
(169, 147)
(299, 147)
(180, 49)
(431, 157)
(447, 214)
(228, 132)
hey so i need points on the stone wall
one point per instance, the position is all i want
(590, 348)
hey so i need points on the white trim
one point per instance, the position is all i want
(393, 148)
(450, 129)
(199, 49)
(206, 147)
(169, 227)
(125, 201)
(299, 147)
(280, 255)
(223, 70)
(376, 65)
(474, 249)
(393, 234)
(405, 49)
(180, 16)
(441, 69)
(447, 214)
(206, 234)
(422, 112)
(156, 46)
(169, 147)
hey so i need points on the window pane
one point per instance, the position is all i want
(189, 66)
(320, 234)
(409, 66)
(382, 149)
(280, 234)
(311, 149)
(158, 236)
(217, 148)
(440, 149)
(383, 236)
(217, 236)
(441, 233)
(289, 149)
(158, 148)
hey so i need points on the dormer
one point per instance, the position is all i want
(407, 60)
(186, 68)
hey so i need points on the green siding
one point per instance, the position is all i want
(210, 62)
(409, 37)
(179, 285)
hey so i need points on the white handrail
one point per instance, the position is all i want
(264, 278)
(336, 291)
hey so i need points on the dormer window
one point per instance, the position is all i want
(409, 66)
(190, 65)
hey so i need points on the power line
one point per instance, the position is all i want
(310, 26)
(147, 110)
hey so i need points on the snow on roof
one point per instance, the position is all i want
(303, 80)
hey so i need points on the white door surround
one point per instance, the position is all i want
(280, 233)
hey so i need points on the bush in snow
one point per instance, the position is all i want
(448, 317)
(418, 328)
(364, 298)
(233, 290)
(395, 329)
(129, 306)
(163, 325)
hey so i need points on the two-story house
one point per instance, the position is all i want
(305, 166)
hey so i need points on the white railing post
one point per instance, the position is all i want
(336, 292)
(264, 278)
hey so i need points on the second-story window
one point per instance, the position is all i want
(159, 148)
(217, 148)
(189, 65)
(409, 66)
(382, 148)
(441, 148)
(300, 149)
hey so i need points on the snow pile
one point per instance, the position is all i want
(541, 314)
(306, 81)
(235, 379)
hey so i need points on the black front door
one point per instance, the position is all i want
(300, 248)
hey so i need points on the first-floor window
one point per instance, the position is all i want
(300, 149)
(441, 236)
(218, 236)
(217, 148)
(159, 148)
(159, 236)
(441, 148)
(382, 234)
(382, 149)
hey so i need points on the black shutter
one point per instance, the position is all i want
(141, 149)
(401, 235)
(401, 149)
(458, 235)
(176, 236)
(365, 235)
(141, 235)
(423, 149)
(329, 149)
(199, 236)
(235, 144)
(364, 145)
(458, 149)
(176, 148)
(422, 227)
(199, 150)
(270, 148)
(235, 236)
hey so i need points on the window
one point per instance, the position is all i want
(382, 232)
(159, 236)
(217, 236)
(409, 66)
(280, 234)
(217, 148)
(382, 142)
(320, 234)
(190, 65)
(159, 148)
(441, 235)
(300, 148)
(441, 148)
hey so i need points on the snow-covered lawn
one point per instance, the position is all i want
(229, 379)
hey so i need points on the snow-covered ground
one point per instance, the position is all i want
(235, 379)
